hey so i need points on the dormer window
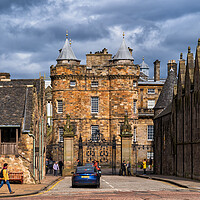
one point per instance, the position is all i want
(72, 83)
(94, 84)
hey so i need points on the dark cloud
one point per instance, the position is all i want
(31, 31)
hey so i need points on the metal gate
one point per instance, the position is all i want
(99, 149)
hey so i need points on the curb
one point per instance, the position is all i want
(32, 193)
(160, 179)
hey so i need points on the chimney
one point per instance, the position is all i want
(4, 76)
(156, 70)
(190, 63)
(182, 69)
(172, 64)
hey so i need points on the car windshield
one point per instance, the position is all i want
(85, 170)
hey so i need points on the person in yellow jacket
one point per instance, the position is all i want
(144, 166)
(5, 178)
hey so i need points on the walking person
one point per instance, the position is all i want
(47, 166)
(123, 168)
(78, 163)
(60, 164)
(144, 166)
(128, 168)
(5, 178)
(55, 168)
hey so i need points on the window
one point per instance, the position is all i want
(60, 106)
(150, 131)
(151, 91)
(72, 83)
(134, 106)
(151, 104)
(134, 134)
(150, 155)
(95, 133)
(94, 84)
(61, 134)
(134, 83)
(94, 104)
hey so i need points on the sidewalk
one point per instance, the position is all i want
(179, 181)
(28, 189)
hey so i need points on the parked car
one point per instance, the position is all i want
(86, 176)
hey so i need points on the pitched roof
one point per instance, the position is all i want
(166, 111)
(123, 53)
(67, 52)
(12, 106)
(16, 102)
(166, 94)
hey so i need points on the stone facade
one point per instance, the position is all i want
(23, 127)
(118, 87)
(177, 127)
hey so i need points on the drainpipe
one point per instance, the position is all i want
(39, 151)
(42, 146)
(33, 136)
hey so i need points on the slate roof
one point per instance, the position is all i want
(67, 52)
(16, 102)
(166, 94)
(166, 111)
(123, 53)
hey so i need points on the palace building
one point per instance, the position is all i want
(97, 96)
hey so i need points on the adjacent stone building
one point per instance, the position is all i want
(97, 96)
(177, 121)
(23, 126)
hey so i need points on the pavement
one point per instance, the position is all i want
(29, 189)
(179, 181)
(49, 180)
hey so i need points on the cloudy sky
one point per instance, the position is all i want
(32, 31)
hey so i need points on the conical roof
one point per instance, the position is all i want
(123, 53)
(143, 65)
(144, 68)
(67, 52)
(166, 94)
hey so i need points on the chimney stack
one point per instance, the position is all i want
(157, 70)
(172, 65)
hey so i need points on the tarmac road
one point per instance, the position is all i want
(117, 187)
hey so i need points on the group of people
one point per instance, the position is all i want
(54, 167)
(126, 166)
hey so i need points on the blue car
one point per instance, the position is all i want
(86, 176)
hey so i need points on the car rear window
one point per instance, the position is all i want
(85, 170)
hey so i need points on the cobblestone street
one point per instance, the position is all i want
(117, 187)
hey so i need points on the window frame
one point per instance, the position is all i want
(134, 134)
(61, 133)
(59, 110)
(72, 85)
(149, 106)
(150, 154)
(151, 91)
(95, 85)
(150, 135)
(94, 128)
(134, 106)
(94, 108)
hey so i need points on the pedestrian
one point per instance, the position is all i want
(144, 166)
(78, 163)
(150, 163)
(55, 168)
(128, 168)
(123, 168)
(47, 166)
(51, 166)
(5, 178)
(60, 164)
